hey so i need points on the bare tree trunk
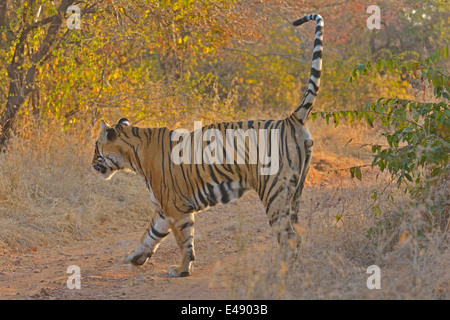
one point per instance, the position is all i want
(21, 81)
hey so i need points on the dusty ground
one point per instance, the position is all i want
(220, 232)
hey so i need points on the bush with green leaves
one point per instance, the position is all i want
(417, 133)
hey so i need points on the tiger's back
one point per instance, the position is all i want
(193, 185)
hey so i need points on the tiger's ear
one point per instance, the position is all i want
(104, 126)
(107, 131)
(124, 121)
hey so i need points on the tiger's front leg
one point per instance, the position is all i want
(158, 230)
(183, 231)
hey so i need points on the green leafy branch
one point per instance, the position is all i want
(417, 133)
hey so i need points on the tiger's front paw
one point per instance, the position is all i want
(179, 271)
(135, 259)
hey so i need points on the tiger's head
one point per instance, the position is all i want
(111, 152)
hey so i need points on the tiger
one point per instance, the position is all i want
(178, 190)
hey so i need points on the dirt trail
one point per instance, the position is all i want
(221, 232)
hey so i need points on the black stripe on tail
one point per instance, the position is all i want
(302, 112)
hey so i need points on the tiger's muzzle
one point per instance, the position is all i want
(99, 168)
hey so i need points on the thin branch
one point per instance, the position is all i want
(257, 56)
(39, 23)
(348, 169)
(117, 102)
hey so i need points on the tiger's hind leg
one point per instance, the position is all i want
(158, 230)
(278, 209)
(183, 230)
(296, 197)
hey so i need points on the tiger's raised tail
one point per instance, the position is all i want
(302, 112)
